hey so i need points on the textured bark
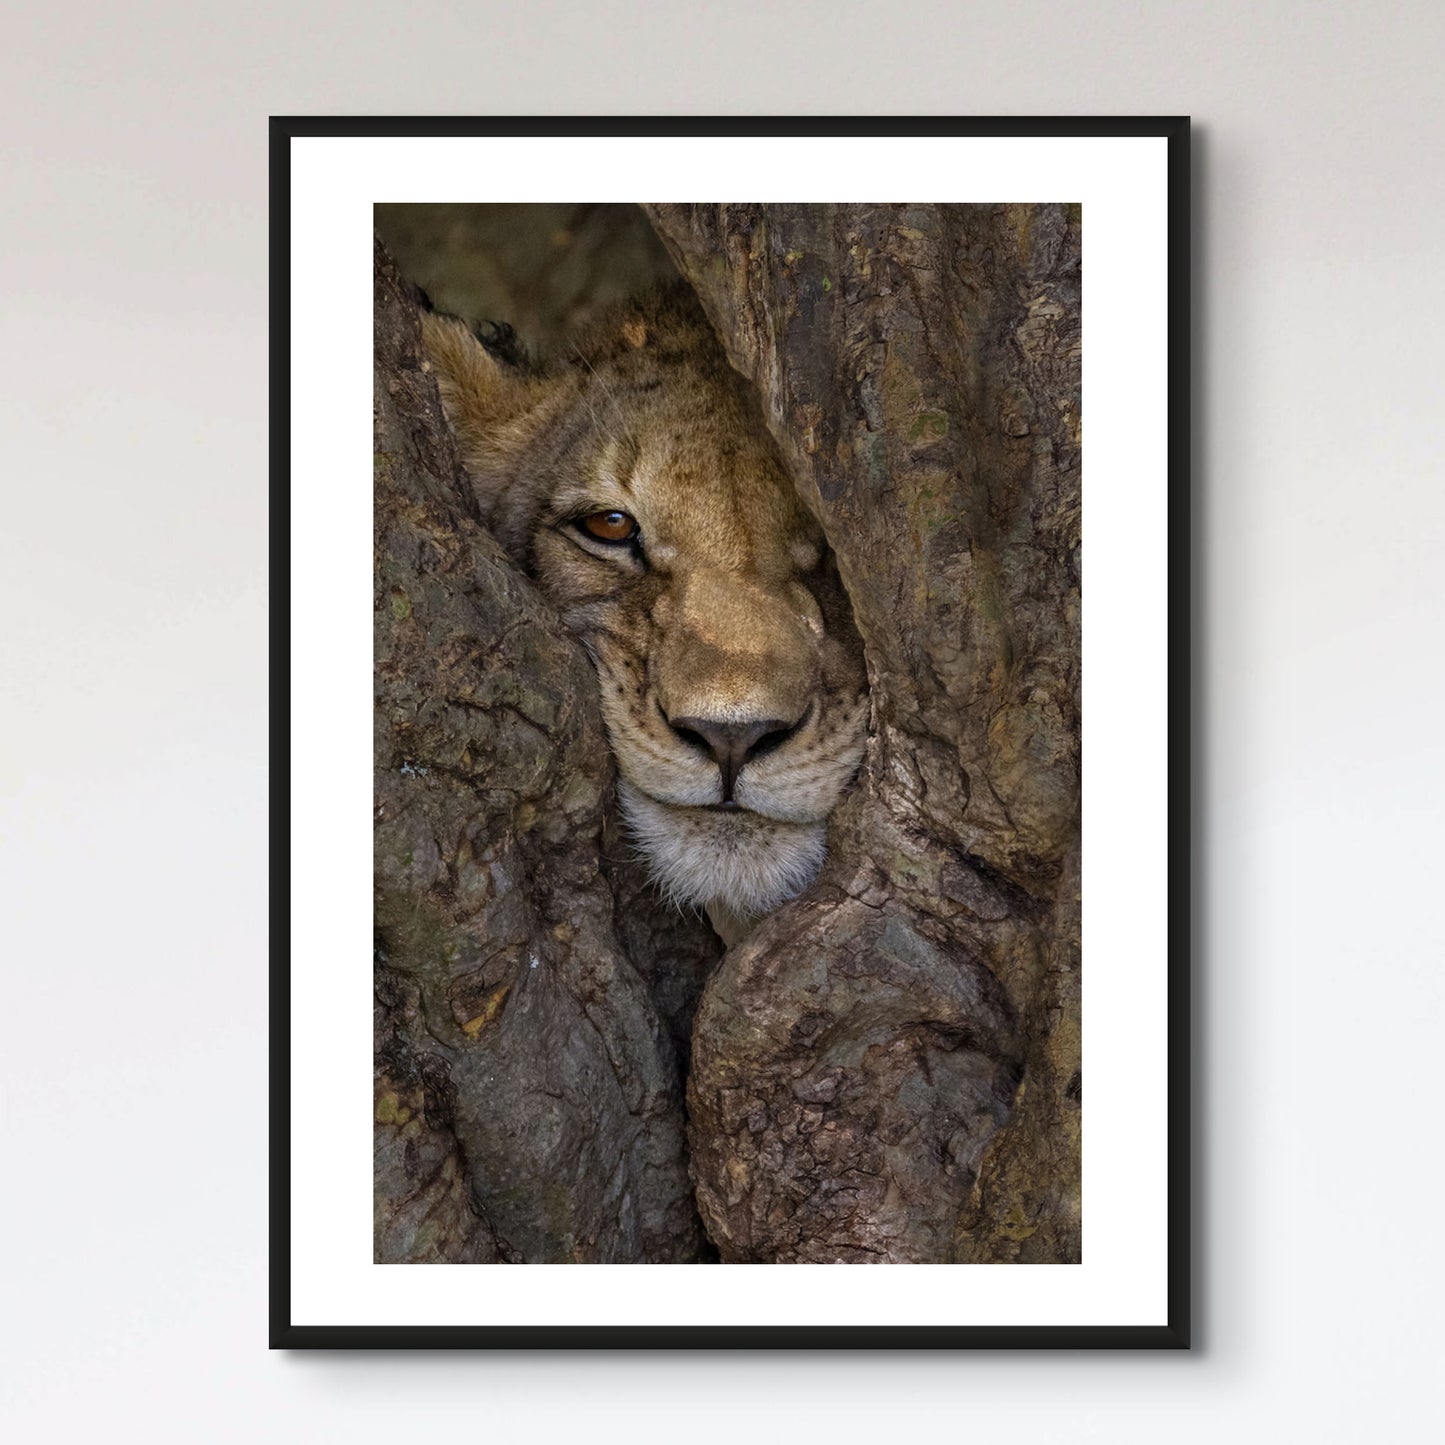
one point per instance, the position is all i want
(424, 1208)
(528, 1093)
(889, 1068)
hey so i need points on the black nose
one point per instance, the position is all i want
(731, 744)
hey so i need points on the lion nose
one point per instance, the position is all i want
(731, 744)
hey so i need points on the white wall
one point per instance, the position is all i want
(133, 248)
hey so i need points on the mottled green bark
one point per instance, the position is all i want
(853, 1061)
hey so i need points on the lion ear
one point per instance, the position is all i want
(482, 386)
(492, 400)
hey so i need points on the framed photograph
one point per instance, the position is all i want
(695, 709)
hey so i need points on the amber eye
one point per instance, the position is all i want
(609, 526)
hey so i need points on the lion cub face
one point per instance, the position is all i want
(641, 489)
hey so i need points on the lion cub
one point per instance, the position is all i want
(637, 483)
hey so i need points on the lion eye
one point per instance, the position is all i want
(609, 526)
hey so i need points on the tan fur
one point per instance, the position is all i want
(731, 610)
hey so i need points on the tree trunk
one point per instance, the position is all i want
(889, 1068)
(529, 1102)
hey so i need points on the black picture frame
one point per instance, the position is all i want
(1176, 1332)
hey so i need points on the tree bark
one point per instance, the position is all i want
(529, 1103)
(889, 1068)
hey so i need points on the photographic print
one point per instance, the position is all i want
(741, 888)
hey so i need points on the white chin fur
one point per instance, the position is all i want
(747, 863)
